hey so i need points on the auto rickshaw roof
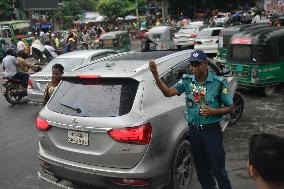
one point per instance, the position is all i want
(238, 28)
(159, 29)
(113, 34)
(259, 36)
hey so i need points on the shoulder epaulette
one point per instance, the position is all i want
(187, 76)
(219, 78)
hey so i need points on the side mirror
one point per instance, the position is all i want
(217, 41)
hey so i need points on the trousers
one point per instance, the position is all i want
(24, 77)
(209, 157)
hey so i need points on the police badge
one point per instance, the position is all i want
(190, 103)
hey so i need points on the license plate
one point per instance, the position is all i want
(239, 68)
(78, 137)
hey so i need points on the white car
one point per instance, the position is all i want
(186, 35)
(207, 40)
(39, 80)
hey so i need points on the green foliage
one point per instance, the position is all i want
(6, 10)
(112, 8)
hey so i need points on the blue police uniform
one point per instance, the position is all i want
(217, 94)
(206, 136)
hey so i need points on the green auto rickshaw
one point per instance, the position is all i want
(257, 58)
(225, 38)
(116, 40)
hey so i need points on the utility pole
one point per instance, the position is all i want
(137, 14)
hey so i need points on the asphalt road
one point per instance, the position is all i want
(19, 141)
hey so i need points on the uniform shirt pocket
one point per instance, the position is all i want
(213, 102)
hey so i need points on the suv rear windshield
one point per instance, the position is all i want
(108, 97)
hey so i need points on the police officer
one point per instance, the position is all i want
(203, 118)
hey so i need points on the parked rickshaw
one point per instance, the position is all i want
(225, 38)
(12, 31)
(117, 40)
(257, 57)
(162, 36)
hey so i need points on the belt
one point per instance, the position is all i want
(205, 126)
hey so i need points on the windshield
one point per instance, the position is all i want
(241, 52)
(109, 97)
(188, 30)
(5, 33)
(67, 63)
(22, 31)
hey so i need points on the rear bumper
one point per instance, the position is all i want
(206, 49)
(99, 177)
(35, 96)
(184, 43)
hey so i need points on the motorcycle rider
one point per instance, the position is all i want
(27, 66)
(10, 70)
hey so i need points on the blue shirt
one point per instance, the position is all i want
(217, 95)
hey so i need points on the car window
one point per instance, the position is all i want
(94, 97)
(216, 32)
(172, 76)
(67, 63)
(156, 36)
(205, 34)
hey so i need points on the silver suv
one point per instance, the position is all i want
(108, 125)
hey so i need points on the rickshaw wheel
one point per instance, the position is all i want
(238, 108)
(269, 90)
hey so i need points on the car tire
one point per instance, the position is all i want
(182, 166)
(179, 47)
(238, 103)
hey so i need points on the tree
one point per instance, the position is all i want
(112, 8)
(7, 10)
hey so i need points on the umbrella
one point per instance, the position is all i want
(130, 17)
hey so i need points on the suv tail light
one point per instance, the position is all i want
(132, 135)
(30, 84)
(42, 124)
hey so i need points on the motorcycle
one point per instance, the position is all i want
(12, 92)
(238, 100)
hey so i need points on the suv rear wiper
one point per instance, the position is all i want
(78, 110)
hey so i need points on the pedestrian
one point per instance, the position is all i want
(69, 46)
(266, 161)
(256, 18)
(207, 99)
(21, 46)
(57, 72)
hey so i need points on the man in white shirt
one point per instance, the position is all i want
(47, 45)
(10, 69)
(21, 46)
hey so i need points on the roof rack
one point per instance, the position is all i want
(102, 59)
